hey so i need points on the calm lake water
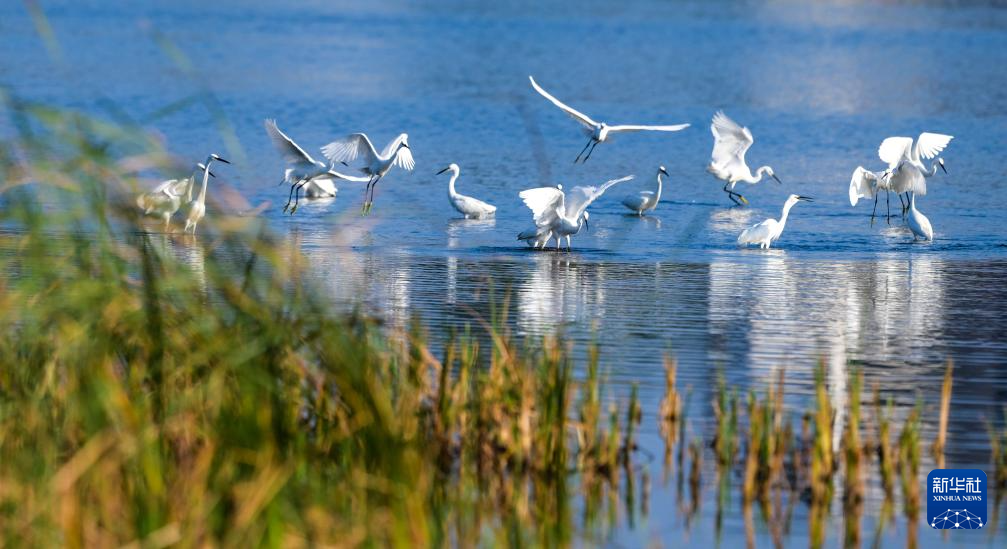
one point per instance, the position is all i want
(819, 86)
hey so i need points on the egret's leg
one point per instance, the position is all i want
(595, 144)
(367, 193)
(290, 195)
(888, 206)
(875, 208)
(589, 141)
(568, 247)
(297, 195)
(906, 207)
(730, 194)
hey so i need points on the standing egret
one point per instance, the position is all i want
(471, 208)
(598, 131)
(769, 231)
(727, 162)
(303, 170)
(197, 209)
(553, 212)
(165, 199)
(646, 200)
(918, 223)
(901, 151)
(868, 184)
(395, 153)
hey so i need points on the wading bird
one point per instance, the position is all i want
(598, 131)
(303, 170)
(197, 209)
(727, 162)
(767, 232)
(918, 223)
(868, 184)
(901, 154)
(395, 153)
(165, 199)
(556, 215)
(471, 208)
(646, 200)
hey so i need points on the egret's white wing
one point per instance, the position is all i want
(290, 151)
(574, 113)
(894, 149)
(343, 176)
(730, 141)
(636, 128)
(760, 232)
(348, 148)
(163, 187)
(543, 203)
(929, 145)
(404, 159)
(863, 184)
(468, 205)
(582, 197)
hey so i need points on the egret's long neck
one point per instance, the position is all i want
(451, 185)
(657, 197)
(202, 190)
(786, 212)
(757, 176)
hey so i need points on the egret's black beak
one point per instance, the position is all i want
(444, 170)
(344, 163)
(806, 198)
(224, 161)
(777, 179)
(665, 172)
(211, 173)
(406, 145)
(942, 167)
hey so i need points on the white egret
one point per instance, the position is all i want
(304, 171)
(599, 131)
(646, 200)
(918, 223)
(767, 232)
(165, 199)
(900, 152)
(197, 209)
(559, 216)
(471, 208)
(727, 162)
(376, 165)
(868, 184)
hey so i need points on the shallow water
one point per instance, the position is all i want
(820, 87)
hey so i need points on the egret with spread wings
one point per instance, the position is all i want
(769, 231)
(376, 165)
(303, 170)
(727, 162)
(905, 160)
(598, 131)
(867, 184)
(558, 215)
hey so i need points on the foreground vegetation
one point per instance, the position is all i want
(145, 402)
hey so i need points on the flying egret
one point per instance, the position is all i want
(598, 131)
(554, 213)
(165, 199)
(303, 171)
(471, 208)
(868, 184)
(727, 162)
(646, 200)
(767, 232)
(197, 209)
(395, 153)
(901, 151)
(918, 223)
